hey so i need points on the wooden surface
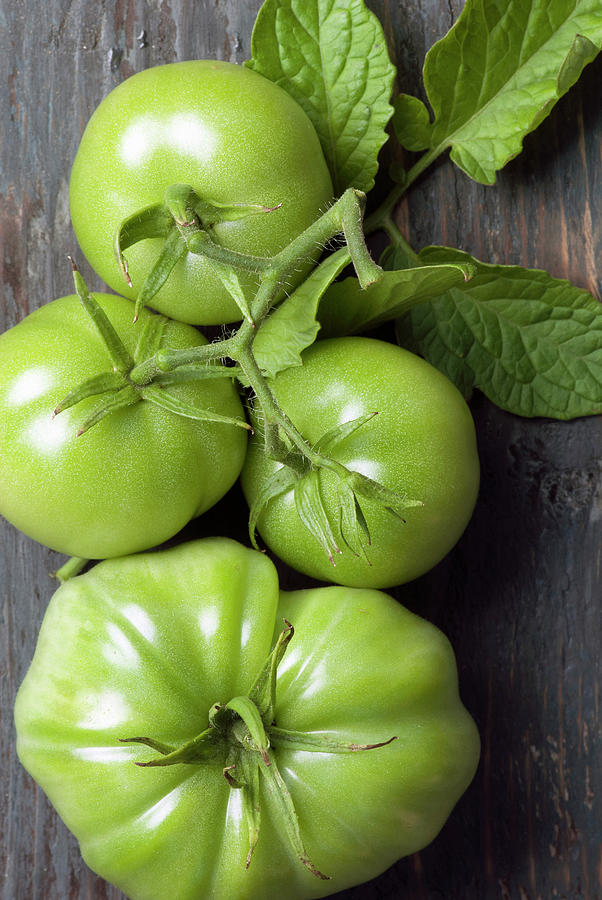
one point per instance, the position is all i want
(519, 597)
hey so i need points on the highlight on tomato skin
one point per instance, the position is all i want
(114, 473)
(243, 145)
(164, 683)
(421, 444)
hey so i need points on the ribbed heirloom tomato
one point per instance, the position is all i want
(173, 649)
(420, 444)
(136, 476)
(234, 137)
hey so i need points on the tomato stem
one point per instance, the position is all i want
(70, 569)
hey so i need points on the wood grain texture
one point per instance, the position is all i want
(519, 597)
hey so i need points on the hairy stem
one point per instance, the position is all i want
(170, 360)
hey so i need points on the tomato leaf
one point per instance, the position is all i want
(331, 57)
(530, 342)
(293, 326)
(495, 76)
(412, 123)
(346, 308)
(398, 256)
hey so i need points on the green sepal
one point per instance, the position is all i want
(353, 526)
(150, 337)
(205, 746)
(311, 511)
(279, 482)
(151, 222)
(229, 279)
(334, 437)
(122, 398)
(319, 743)
(171, 253)
(393, 501)
(210, 212)
(122, 361)
(163, 749)
(263, 692)
(251, 800)
(280, 796)
(97, 384)
(157, 395)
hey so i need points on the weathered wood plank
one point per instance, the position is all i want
(519, 597)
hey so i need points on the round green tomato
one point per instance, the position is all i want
(133, 479)
(421, 444)
(146, 646)
(232, 135)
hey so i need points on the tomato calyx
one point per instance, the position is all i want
(129, 380)
(241, 736)
(302, 475)
(184, 221)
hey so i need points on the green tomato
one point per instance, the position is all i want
(232, 135)
(421, 444)
(146, 646)
(137, 476)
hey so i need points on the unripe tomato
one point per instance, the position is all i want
(232, 135)
(421, 444)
